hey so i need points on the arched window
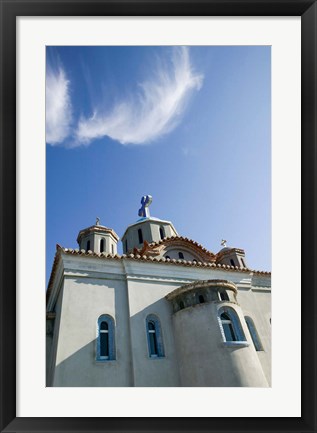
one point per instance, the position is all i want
(88, 246)
(102, 245)
(105, 339)
(230, 325)
(227, 327)
(181, 305)
(223, 295)
(180, 255)
(232, 262)
(154, 336)
(140, 236)
(201, 299)
(112, 249)
(126, 245)
(162, 232)
(254, 334)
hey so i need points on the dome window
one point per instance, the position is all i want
(102, 245)
(162, 232)
(88, 246)
(140, 234)
(223, 295)
(201, 299)
(181, 255)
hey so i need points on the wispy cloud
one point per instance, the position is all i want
(58, 106)
(154, 110)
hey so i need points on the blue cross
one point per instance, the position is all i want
(146, 200)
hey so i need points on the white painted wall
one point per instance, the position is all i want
(129, 290)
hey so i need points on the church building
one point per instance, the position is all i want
(165, 313)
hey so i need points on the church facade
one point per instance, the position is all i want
(165, 313)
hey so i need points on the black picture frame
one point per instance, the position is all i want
(10, 9)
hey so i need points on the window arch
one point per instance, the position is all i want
(154, 337)
(105, 339)
(102, 245)
(162, 232)
(140, 234)
(88, 246)
(230, 325)
(254, 334)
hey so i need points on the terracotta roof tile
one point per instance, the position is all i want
(138, 257)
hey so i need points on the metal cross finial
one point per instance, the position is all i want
(145, 202)
(223, 242)
(97, 221)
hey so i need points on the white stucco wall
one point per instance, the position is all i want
(204, 358)
(85, 299)
(129, 290)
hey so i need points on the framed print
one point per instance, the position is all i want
(219, 129)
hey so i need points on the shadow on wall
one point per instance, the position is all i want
(82, 370)
(155, 371)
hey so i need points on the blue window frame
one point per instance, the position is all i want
(254, 334)
(154, 337)
(105, 339)
(230, 325)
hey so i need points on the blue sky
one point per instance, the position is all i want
(190, 126)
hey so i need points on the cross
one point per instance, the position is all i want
(146, 200)
(223, 242)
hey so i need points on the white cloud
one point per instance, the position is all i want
(153, 111)
(58, 106)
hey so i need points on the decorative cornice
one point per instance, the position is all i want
(201, 284)
(143, 258)
(96, 229)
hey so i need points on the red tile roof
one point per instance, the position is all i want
(145, 258)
